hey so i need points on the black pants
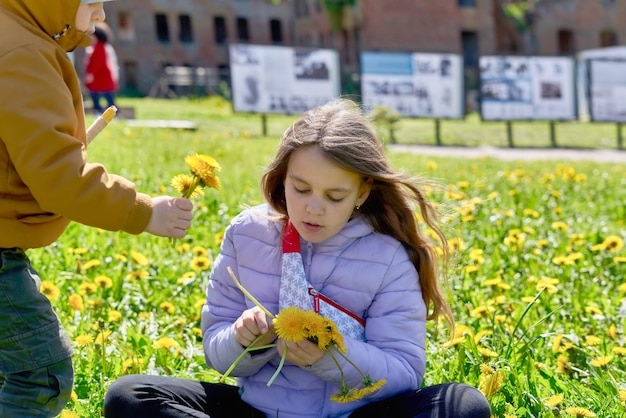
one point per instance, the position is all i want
(136, 396)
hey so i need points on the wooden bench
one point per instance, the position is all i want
(175, 81)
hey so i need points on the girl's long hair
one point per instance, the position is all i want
(345, 135)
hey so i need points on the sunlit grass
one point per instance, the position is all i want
(537, 285)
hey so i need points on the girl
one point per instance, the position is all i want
(335, 203)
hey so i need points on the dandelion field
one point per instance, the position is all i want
(536, 284)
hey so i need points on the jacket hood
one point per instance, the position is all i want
(54, 17)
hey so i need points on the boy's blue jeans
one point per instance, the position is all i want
(36, 373)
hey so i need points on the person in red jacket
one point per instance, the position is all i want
(101, 70)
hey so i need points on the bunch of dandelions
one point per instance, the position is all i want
(295, 325)
(203, 169)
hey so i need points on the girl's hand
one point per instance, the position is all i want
(303, 353)
(252, 323)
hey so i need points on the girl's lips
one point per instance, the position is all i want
(311, 227)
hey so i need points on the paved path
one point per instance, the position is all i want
(604, 155)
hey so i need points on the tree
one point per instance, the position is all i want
(335, 9)
(522, 12)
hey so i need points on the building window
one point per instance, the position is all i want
(566, 42)
(125, 29)
(220, 29)
(243, 33)
(276, 31)
(608, 38)
(162, 29)
(467, 3)
(186, 34)
(301, 8)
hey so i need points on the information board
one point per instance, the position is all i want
(607, 90)
(280, 79)
(527, 88)
(414, 84)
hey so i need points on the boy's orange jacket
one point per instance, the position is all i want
(45, 180)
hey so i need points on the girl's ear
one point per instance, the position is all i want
(364, 192)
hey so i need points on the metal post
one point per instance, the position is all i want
(264, 123)
(509, 133)
(553, 134)
(438, 131)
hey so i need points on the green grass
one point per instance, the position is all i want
(537, 297)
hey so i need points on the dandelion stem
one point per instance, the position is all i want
(332, 356)
(245, 292)
(342, 354)
(278, 369)
(241, 356)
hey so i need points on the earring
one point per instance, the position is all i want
(358, 207)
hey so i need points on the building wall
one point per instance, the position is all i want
(370, 25)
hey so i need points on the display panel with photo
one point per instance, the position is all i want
(278, 79)
(527, 88)
(413, 84)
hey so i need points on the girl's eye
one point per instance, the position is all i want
(301, 191)
(336, 200)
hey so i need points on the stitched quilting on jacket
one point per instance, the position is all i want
(368, 273)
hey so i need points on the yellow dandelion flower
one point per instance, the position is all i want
(453, 342)
(137, 275)
(620, 351)
(167, 307)
(87, 288)
(199, 251)
(200, 263)
(480, 334)
(114, 315)
(601, 361)
(345, 395)
(145, 316)
(490, 384)
(562, 260)
(556, 343)
(78, 250)
(139, 258)
(560, 226)
(592, 340)
(121, 257)
(486, 352)
(197, 332)
(103, 281)
(218, 238)
(612, 331)
(204, 167)
(75, 302)
(68, 414)
(554, 401)
(613, 243)
(593, 310)
(579, 412)
(621, 395)
(83, 339)
(185, 185)
(50, 290)
(471, 269)
(431, 165)
(102, 336)
(89, 264)
(183, 248)
(563, 364)
(288, 324)
(166, 343)
(619, 259)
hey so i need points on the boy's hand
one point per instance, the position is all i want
(171, 216)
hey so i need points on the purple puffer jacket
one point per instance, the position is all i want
(367, 273)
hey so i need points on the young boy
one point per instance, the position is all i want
(46, 182)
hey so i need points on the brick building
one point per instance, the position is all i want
(150, 34)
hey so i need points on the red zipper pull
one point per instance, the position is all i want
(316, 299)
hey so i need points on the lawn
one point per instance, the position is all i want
(537, 281)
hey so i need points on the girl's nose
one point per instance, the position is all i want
(314, 206)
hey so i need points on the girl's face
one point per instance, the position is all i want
(320, 195)
(88, 15)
